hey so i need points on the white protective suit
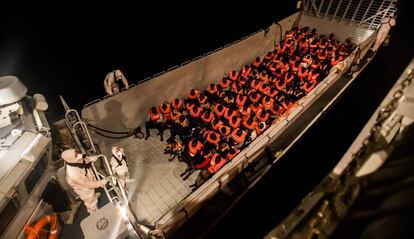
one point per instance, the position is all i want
(119, 166)
(111, 82)
(385, 27)
(82, 179)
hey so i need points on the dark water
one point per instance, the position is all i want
(69, 50)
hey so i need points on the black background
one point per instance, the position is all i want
(68, 49)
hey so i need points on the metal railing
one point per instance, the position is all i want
(361, 13)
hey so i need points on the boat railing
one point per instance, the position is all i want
(364, 13)
(176, 67)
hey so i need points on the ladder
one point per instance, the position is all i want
(114, 191)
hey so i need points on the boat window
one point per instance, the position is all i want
(7, 214)
(35, 175)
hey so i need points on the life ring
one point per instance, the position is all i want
(36, 231)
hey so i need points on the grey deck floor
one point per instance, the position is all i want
(158, 187)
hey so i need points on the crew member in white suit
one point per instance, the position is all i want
(80, 177)
(385, 27)
(112, 80)
(119, 166)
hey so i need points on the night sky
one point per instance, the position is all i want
(70, 49)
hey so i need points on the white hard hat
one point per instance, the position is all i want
(70, 156)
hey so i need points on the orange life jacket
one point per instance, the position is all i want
(202, 99)
(335, 61)
(217, 125)
(255, 109)
(193, 97)
(302, 74)
(256, 63)
(166, 113)
(277, 109)
(230, 156)
(255, 84)
(224, 130)
(281, 84)
(288, 79)
(246, 71)
(241, 100)
(195, 112)
(321, 56)
(214, 167)
(307, 59)
(312, 77)
(281, 49)
(224, 83)
(212, 90)
(229, 114)
(272, 92)
(236, 123)
(234, 75)
(218, 112)
(155, 117)
(264, 88)
(308, 86)
(177, 105)
(175, 116)
(260, 118)
(194, 150)
(206, 119)
(255, 99)
(249, 126)
(259, 130)
(238, 138)
(267, 104)
(213, 141)
(245, 112)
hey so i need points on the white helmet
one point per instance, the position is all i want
(71, 156)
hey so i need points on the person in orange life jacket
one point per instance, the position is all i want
(234, 121)
(245, 111)
(207, 117)
(263, 77)
(267, 58)
(225, 83)
(165, 109)
(184, 130)
(229, 113)
(212, 140)
(281, 83)
(308, 86)
(262, 115)
(238, 137)
(229, 99)
(246, 71)
(272, 93)
(175, 149)
(194, 147)
(295, 67)
(231, 153)
(331, 51)
(224, 130)
(260, 128)
(255, 107)
(154, 120)
(216, 163)
(216, 123)
(212, 92)
(277, 110)
(199, 161)
(335, 60)
(255, 84)
(279, 72)
(302, 73)
(255, 97)
(257, 63)
(192, 96)
(249, 123)
(234, 75)
(267, 102)
(241, 100)
(219, 110)
(177, 104)
(175, 125)
(307, 61)
(301, 51)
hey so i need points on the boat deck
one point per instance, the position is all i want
(158, 187)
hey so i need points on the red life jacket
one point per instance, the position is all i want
(155, 117)
(229, 114)
(177, 105)
(203, 164)
(335, 61)
(321, 56)
(312, 77)
(295, 69)
(281, 49)
(273, 67)
(268, 56)
(264, 88)
(308, 86)
(212, 90)
(224, 130)
(234, 75)
(166, 113)
(224, 83)
(249, 126)
(278, 58)
(235, 124)
(260, 118)
(241, 100)
(193, 97)
(281, 84)
(194, 150)
(255, 84)
(255, 99)
(238, 138)
(206, 119)
(307, 59)
(256, 63)
(220, 113)
(245, 112)
(214, 167)
(255, 109)
(202, 99)
(217, 125)
(302, 74)
(230, 156)
(263, 77)
(272, 92)
(288, 79)
(195, 112)
(267, 104)
(277, 109)
(246, 71)
(213, 141)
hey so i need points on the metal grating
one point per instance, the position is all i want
(362, 13)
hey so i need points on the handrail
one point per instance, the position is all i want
(86, 131)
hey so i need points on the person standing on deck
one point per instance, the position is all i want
(119, 166)
(386, 24)
(111, 82)
(80, 177)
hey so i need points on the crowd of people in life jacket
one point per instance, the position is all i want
(215, 124)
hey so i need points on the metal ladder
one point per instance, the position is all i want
(114, 191)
